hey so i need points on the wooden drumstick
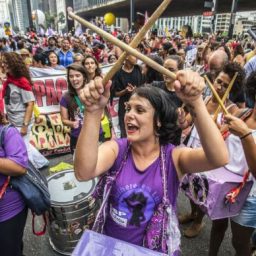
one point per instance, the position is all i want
(137, 39)
(123, 46)
(225, 96)
(216, 95)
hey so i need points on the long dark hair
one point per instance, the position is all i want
(98, 70)
(165, 113)
(82, 70)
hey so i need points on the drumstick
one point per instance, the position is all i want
(137, 39)
(123, 46)
(225, 96)
(216, 95)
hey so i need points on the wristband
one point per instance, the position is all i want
(246, 135)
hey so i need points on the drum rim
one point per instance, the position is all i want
(70, 203)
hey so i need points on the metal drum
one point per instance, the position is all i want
(73, 209)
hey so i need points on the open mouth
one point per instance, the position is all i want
(131, 128)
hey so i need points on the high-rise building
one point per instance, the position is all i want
(18, 10)
(222, 22)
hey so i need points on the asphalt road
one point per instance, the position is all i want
(39, 246)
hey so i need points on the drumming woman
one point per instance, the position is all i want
(151, 124)
(242, 226)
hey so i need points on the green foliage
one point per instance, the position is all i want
(62, 18)
(49, 19)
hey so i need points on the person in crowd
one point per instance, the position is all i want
(239, 55)
(217, 60)
(76, 46)
(65, 54)
(150, 74)
(78, 58)
(124, 82)
(19, 102)
(243, 225)
(3, 46)
(112, 59)
(250, 66)
(151, 123)
(249, 90)
(53, 61)
(173, 63)
(71, 108)
(164, 49)
(13, 211)
(88, 51)
(52, 45)
(220, 84)
(92, 66)
(40, 60)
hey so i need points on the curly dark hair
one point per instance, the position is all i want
(165, 113)
(230, 69)
(98, 70)
(17, 66)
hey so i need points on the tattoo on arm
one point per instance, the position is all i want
(191, 110)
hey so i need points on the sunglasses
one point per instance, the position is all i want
(223, 84)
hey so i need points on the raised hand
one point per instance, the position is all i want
(95, 95)
(189, 86)
(236, 126)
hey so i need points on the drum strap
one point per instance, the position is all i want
(234, 192)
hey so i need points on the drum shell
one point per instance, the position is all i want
(68, 220)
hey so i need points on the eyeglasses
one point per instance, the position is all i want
(223, 84)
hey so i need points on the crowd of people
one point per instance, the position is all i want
(166, 126)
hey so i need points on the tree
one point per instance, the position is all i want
(62, 18)
(49, 20)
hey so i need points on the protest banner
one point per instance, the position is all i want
(48, 134)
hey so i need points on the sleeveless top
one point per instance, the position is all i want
(136, 194)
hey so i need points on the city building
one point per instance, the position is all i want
(244, 21)
(222, 23)
(18, 10)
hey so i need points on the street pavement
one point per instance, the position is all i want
(39, 246)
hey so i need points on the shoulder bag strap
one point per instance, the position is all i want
(80, 105)
(100, 219)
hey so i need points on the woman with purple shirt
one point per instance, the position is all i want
(13, 211)
(71, 108)
(151, 126)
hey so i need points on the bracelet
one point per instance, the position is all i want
(244, 136)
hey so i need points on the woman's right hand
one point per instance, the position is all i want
(95, 95)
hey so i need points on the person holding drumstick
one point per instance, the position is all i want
(151, 125)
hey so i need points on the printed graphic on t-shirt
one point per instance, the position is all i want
(135, 205)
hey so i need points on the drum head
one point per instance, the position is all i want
(64, 188)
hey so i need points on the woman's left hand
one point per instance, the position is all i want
(24, 130)
(189, 86)
(236, 126)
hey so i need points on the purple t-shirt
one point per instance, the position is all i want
(12, 202)
(78, 116)
(136, 194)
